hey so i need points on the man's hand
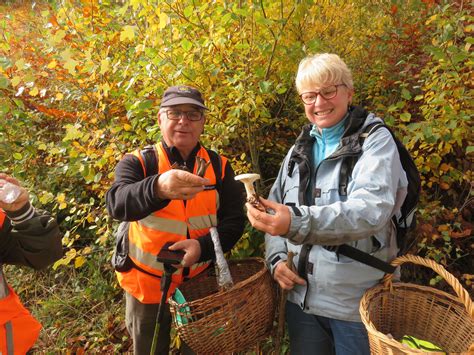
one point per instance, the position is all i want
(21, 200)
(192, 250)
(286, 278)
(179, 185)
(274, 224)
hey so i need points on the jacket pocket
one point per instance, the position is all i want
(120, 260)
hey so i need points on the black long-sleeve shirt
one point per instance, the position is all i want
(132, 197)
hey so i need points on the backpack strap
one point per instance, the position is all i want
(346, 170)
(364, 258)
(347, 166)
(349, 162)
(149, 156)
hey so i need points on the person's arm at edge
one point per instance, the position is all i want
(30, 237)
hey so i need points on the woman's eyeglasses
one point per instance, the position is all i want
(326, 93)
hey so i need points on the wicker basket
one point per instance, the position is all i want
(423, 312)
(213, 322)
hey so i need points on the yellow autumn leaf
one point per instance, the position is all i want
(20, 64)
(34, 91)
(71, 65)
(66, 54)
(128, 32)
(15, 81)
(59, 96)
(79, 261)
(163, 20)
(104, 65)
(61, 197)
(52, 64)
(127, 127)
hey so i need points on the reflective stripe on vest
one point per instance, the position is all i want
(9, 338)
(177, 221)
(4, 292)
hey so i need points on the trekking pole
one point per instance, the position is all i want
(168, 258)
(164, 287)
(281, 308)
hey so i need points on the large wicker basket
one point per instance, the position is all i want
(423, 312)
(213, 322)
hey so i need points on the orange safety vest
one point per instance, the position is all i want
(177, 221)
(18, 329)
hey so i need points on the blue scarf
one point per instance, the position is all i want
(326, 141)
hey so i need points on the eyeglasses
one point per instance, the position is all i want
(326, 93)
(176, 115)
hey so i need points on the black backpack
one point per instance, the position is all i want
(120, 260)
(407, 222)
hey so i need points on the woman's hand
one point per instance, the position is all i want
(274, 224)
(286, 278)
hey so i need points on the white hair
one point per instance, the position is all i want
(321, 69)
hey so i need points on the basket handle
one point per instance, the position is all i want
(450, 279)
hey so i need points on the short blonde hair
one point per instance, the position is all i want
(323, 68)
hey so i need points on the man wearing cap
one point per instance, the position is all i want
(162, 199)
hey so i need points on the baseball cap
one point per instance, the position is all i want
(182, 94)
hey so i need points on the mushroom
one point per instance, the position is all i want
(202, 166)
(252, 196)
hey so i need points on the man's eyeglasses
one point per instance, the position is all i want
(327, 93)
(176, 115)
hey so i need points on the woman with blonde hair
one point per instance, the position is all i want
(316, 211)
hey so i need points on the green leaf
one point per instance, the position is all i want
(143, 105)
(406, 94)
(5, 63)
(4, 82)
(265, 86)
(405, 117)
(188, 11)
(69, 63)
(17, 156)
(186, 44)
(72, 133)
(470, 149)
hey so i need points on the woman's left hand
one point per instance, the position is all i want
(274, 224)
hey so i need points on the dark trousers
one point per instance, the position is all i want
(140, 320)
(311, 334)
